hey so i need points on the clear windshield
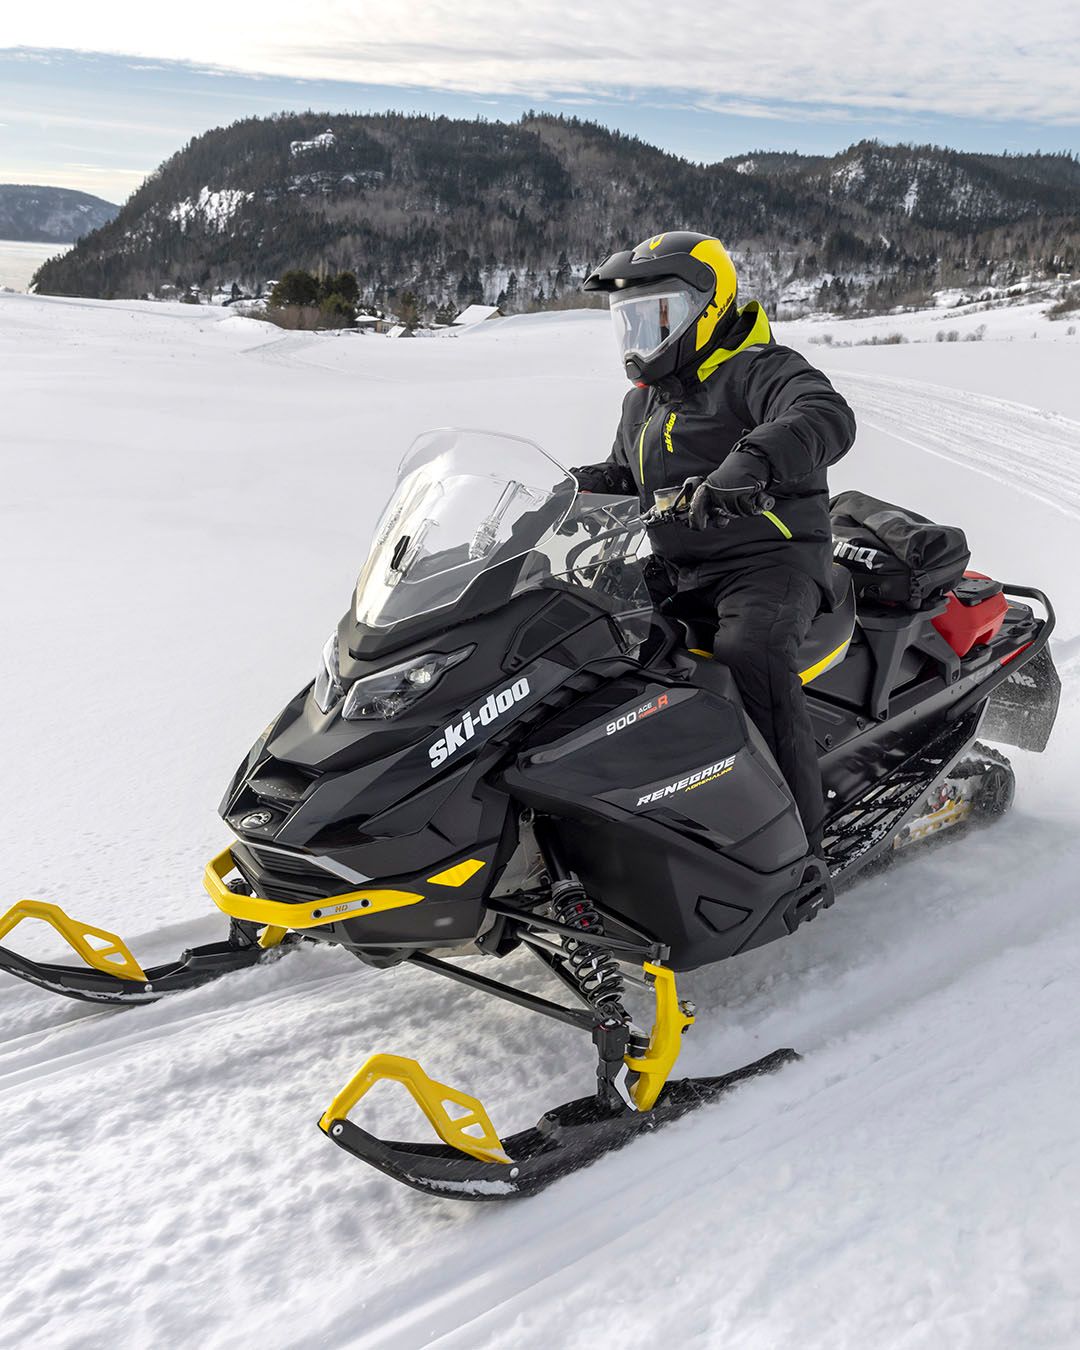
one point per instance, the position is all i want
(468, 502)
(599, 547)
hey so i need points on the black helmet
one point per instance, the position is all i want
(672, 298)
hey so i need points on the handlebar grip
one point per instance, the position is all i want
(762, 501)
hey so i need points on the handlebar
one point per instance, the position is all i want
(672, 505)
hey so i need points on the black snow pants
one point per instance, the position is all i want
(763, 614)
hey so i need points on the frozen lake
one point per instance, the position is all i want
(20, 260)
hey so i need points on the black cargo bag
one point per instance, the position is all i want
(894, 555)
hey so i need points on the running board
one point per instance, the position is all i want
(862, 831)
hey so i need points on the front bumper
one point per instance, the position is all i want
(282, 915)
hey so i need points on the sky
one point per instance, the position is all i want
(97, 96)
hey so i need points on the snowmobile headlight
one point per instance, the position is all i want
(390, 692)
(328, 688)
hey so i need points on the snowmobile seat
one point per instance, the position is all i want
(830, 634)
(826, 643)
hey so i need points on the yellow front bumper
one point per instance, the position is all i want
(281, 915)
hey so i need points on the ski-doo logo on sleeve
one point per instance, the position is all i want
(848, 552)
(458, 733)
(694, 780)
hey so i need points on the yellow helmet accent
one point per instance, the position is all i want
(715, 255)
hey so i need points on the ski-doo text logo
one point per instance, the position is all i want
(493, 707)
(691, 781)
(866, 557)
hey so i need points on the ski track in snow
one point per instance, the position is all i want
(1022, 448)
(912, 1183)
(793, 1106)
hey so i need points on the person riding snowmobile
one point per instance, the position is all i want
(749, 428)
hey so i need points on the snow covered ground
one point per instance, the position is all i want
(186, 500)
(956, 317)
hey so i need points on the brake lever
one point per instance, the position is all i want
(669, 504)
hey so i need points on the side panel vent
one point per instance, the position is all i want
(556, 621)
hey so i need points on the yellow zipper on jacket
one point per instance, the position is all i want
(778, 523)
(641, 450)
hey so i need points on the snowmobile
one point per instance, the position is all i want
(507, 749)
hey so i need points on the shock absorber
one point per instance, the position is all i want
(597, 975)
(595, 971)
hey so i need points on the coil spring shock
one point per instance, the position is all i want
(594, 970)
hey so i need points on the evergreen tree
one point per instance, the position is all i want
(409, 311)
(296, 287)
(336, 312)
(470, 291)
(344, 284)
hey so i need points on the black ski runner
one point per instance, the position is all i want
(565, 1139)
(195, 967)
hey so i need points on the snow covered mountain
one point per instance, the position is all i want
(936, 188)
(191, 494)
(469, 212)
(49, 215)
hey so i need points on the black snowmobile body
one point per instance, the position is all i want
(506, 748)
(654, 786)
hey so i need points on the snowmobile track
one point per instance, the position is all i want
(1021, 447)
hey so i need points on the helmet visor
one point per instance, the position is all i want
(648, 318)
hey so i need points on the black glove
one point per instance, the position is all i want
(609, 479)
(736, 488)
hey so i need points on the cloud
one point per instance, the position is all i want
(83, 120)
(967, 58)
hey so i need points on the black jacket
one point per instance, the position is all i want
(772, 401)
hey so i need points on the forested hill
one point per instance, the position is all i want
(463, 211)
(48, 215)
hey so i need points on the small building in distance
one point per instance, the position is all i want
(476, 314)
